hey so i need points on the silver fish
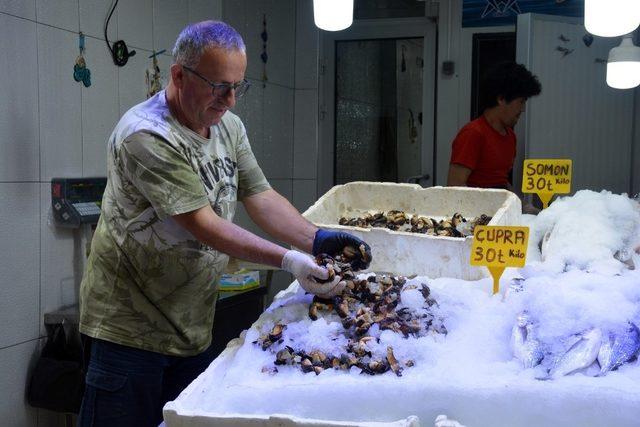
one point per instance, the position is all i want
(524, 345)
(618, 347)
(582, 352)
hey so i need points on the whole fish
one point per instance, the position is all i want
(582, 353)
(524, 345)
(618, 347)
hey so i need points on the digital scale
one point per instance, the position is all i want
(76, 201)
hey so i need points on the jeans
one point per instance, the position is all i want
(126, 386)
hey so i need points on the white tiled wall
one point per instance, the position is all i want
(99, 108)
(15, 364)
(305, 134)
(169, 17)
(19, 293)
(51, 125)
(19, 107)
(59, 104)
(61, 14)
(21, 8)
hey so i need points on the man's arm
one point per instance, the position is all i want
(275, 215)
(226, 237)
(458, 175)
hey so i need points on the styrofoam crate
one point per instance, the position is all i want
(409, 253)
(181, 412)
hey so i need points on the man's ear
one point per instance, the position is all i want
(501, 100)
(177, 75)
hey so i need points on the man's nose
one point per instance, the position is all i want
(229, 98)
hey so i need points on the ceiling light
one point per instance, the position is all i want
(333, 15)
(623, 66)
(611, 18)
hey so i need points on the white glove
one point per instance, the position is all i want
(305, 269)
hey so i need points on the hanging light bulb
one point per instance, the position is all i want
(333, 15)
(611, 18)
(623, 66)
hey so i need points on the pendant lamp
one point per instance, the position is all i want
(611, 18)
(333, 15)
(623, 66)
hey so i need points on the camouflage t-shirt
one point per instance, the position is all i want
(149, 283)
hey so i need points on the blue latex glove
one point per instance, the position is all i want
(333, 242)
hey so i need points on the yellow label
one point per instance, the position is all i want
(546, 177)
(498, 247)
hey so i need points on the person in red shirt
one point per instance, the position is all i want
(484, 149)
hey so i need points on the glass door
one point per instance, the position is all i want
(378, 107)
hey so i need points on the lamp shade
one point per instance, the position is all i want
(611, 18)
(333, 15)
(623, 66)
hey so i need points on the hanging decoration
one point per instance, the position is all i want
(488, 13)
(152, 76)
(80, 71)
(587, 39)
(413, 131)
(565, 51)
(263, 56)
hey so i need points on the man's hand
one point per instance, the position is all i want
(333, 242)
(305, 270)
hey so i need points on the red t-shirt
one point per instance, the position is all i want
(488, 154)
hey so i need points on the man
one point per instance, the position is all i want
(177, 163)
(484, 150)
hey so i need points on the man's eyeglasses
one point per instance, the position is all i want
(222, 89)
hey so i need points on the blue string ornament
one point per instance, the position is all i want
(80, 71)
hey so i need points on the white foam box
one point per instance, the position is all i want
(186, 410)
(407, 253)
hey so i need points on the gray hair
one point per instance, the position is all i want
(195, 38)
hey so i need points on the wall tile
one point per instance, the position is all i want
(304, 193)
(19, 210)
(61, 260)
(243, 220)
(254, 14)
(169, 18)
(282, 186)
(59, 13)
(307, 46)
(277, 150)
(132, 88)
(305, 134)
(60, 111)
(93, 14)
(14, 376)
(99, 109)
(234, 13)
(19, 108)
(250, 109)
(281, 30)
(203, 10)
(23, 8)
(135, 24)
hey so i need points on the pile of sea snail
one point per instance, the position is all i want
(401, 221)
(362, 304)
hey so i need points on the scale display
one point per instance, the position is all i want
(76, 201)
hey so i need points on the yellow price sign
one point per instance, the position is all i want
(546, 177)
(497, 247)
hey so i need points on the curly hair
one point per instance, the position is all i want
(509, 80)
(195, 38)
